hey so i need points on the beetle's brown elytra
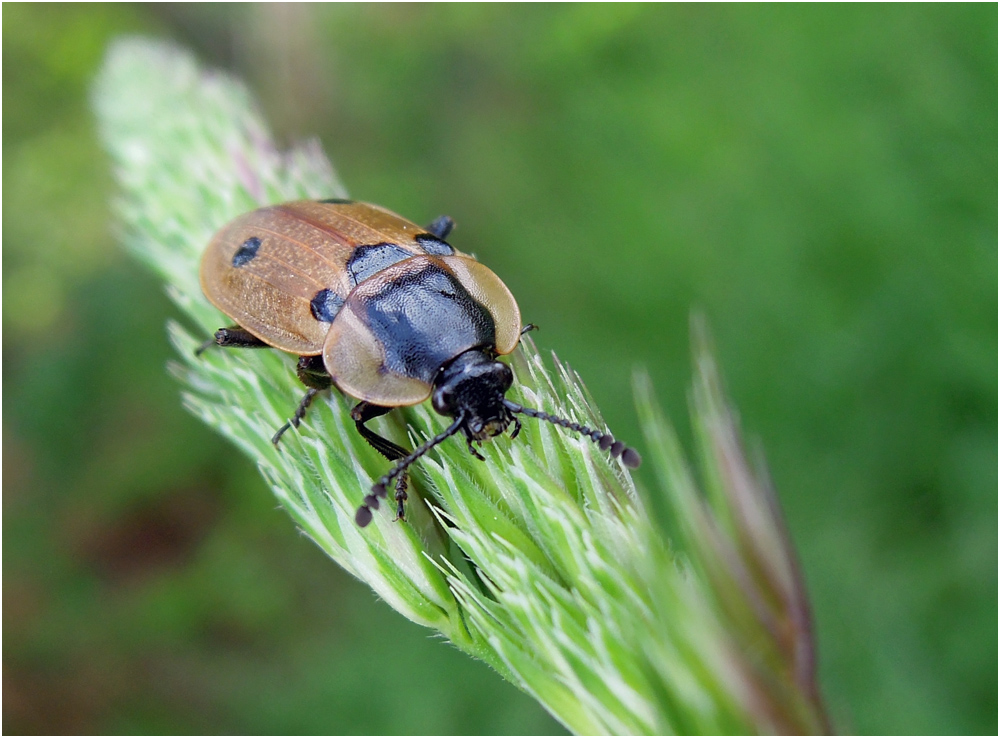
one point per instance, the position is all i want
(386, 311)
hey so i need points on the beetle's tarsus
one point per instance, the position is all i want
(205, 346)
(401, 497)
(473, 451)
(279, 433)
(300, 413)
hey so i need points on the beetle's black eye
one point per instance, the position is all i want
(506, 377)
(443, 399)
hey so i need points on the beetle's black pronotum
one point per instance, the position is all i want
(385, 311)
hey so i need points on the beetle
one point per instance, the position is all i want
(385, 311)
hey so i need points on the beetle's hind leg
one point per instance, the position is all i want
(313, 375)
(296, 419)
(310, 370)
(362, 413)
(232, 337)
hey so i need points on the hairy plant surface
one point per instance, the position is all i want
(543, 561)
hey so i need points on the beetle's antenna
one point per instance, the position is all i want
(364, 514)
(605, 441)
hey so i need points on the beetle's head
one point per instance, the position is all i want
(472, 387)
(471, 390)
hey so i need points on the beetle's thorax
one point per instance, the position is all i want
(473, 385)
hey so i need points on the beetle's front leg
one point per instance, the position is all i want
(362, 413)
(472, 449)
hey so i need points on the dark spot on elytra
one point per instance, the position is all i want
(246, 253)
(336, 201)
(369, 260)
(325, 305)
(433, 245)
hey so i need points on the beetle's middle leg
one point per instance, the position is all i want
(310, 370)
(313, 375)
(362, 413)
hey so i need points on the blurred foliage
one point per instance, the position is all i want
(821, 181)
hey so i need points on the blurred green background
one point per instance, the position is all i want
(821, 181)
